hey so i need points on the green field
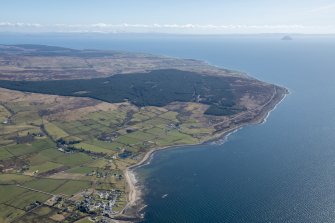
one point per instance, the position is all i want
(72, 187)
(45, 156)
(93, 148)
(81, 170)
(44, 184)
(74, 159)
(44, 167)
(27, 198)
(10, 192)
(14, 178)
(174, 138)
(4, 154)
(24, 149)
(9, 213)
(54, 131)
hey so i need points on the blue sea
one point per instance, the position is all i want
(279, 171)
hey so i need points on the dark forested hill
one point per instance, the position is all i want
(156, 88)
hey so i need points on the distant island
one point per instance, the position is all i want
(287, 38)
(74, 124)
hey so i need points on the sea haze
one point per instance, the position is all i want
(279, 171)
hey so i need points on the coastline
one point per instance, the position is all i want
(131, 212)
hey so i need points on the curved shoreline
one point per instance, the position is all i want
(134, 192)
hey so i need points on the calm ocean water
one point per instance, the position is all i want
(280, 171)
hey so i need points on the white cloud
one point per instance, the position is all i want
(168, 28)
(19, 24)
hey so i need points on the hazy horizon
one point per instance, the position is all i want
(96, 33)
(173, 17)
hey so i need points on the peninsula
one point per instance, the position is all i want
(74, 124)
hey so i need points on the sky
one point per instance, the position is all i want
(169, 16)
